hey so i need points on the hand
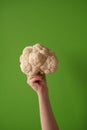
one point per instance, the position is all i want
(38, 83)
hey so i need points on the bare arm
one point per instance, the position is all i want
(38, 83)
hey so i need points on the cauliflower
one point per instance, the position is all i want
(38, 59)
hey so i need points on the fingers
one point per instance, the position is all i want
(37, 82)
(36, 79)
(36, 76)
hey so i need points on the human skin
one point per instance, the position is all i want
(38, 83)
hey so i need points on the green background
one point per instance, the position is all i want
(61, 26)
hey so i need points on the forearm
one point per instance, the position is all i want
(48, 121)
(38, 83)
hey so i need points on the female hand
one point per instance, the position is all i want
(38, 83)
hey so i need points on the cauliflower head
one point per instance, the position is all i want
(38, 59)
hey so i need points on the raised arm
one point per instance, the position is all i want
(38, 83)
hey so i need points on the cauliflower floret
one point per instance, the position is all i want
(38, 59)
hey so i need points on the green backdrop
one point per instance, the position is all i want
(62, 26)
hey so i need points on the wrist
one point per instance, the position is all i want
(43, 92)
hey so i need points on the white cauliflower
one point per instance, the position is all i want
(38, 59)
